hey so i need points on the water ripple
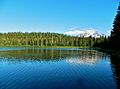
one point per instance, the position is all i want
(56, 69)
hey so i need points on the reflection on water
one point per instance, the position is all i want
(76, 56)
(86, 57)
(56, 69)
(116, 70)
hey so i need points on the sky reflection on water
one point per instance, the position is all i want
(56, 69)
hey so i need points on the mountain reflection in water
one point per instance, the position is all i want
(76, 56)
(57, 68)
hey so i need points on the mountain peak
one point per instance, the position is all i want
(86, 33)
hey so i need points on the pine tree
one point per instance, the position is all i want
(115, 33)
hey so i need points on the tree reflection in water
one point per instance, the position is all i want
(57, 69)
(88, 56)
(115, 64)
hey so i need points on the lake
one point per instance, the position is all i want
(58, 68)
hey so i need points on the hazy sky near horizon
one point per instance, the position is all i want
(56, 15)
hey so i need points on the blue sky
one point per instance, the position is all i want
(56, 15)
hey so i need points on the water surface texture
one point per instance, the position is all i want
(57, 68)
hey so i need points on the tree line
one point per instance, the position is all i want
(46, 39)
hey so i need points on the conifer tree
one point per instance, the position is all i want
(115, 33)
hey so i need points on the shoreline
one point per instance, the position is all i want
(43, 47)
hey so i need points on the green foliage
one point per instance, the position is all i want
(45, 40)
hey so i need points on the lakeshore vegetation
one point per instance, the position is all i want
(47, 39)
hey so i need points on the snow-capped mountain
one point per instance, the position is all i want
(85, 33)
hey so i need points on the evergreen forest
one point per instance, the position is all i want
(47, 39)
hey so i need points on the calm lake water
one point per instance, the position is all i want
(57, 68)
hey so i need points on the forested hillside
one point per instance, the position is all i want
(46, 39)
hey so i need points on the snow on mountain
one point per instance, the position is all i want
(86, 33)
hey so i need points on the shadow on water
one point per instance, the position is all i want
(115, 64)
